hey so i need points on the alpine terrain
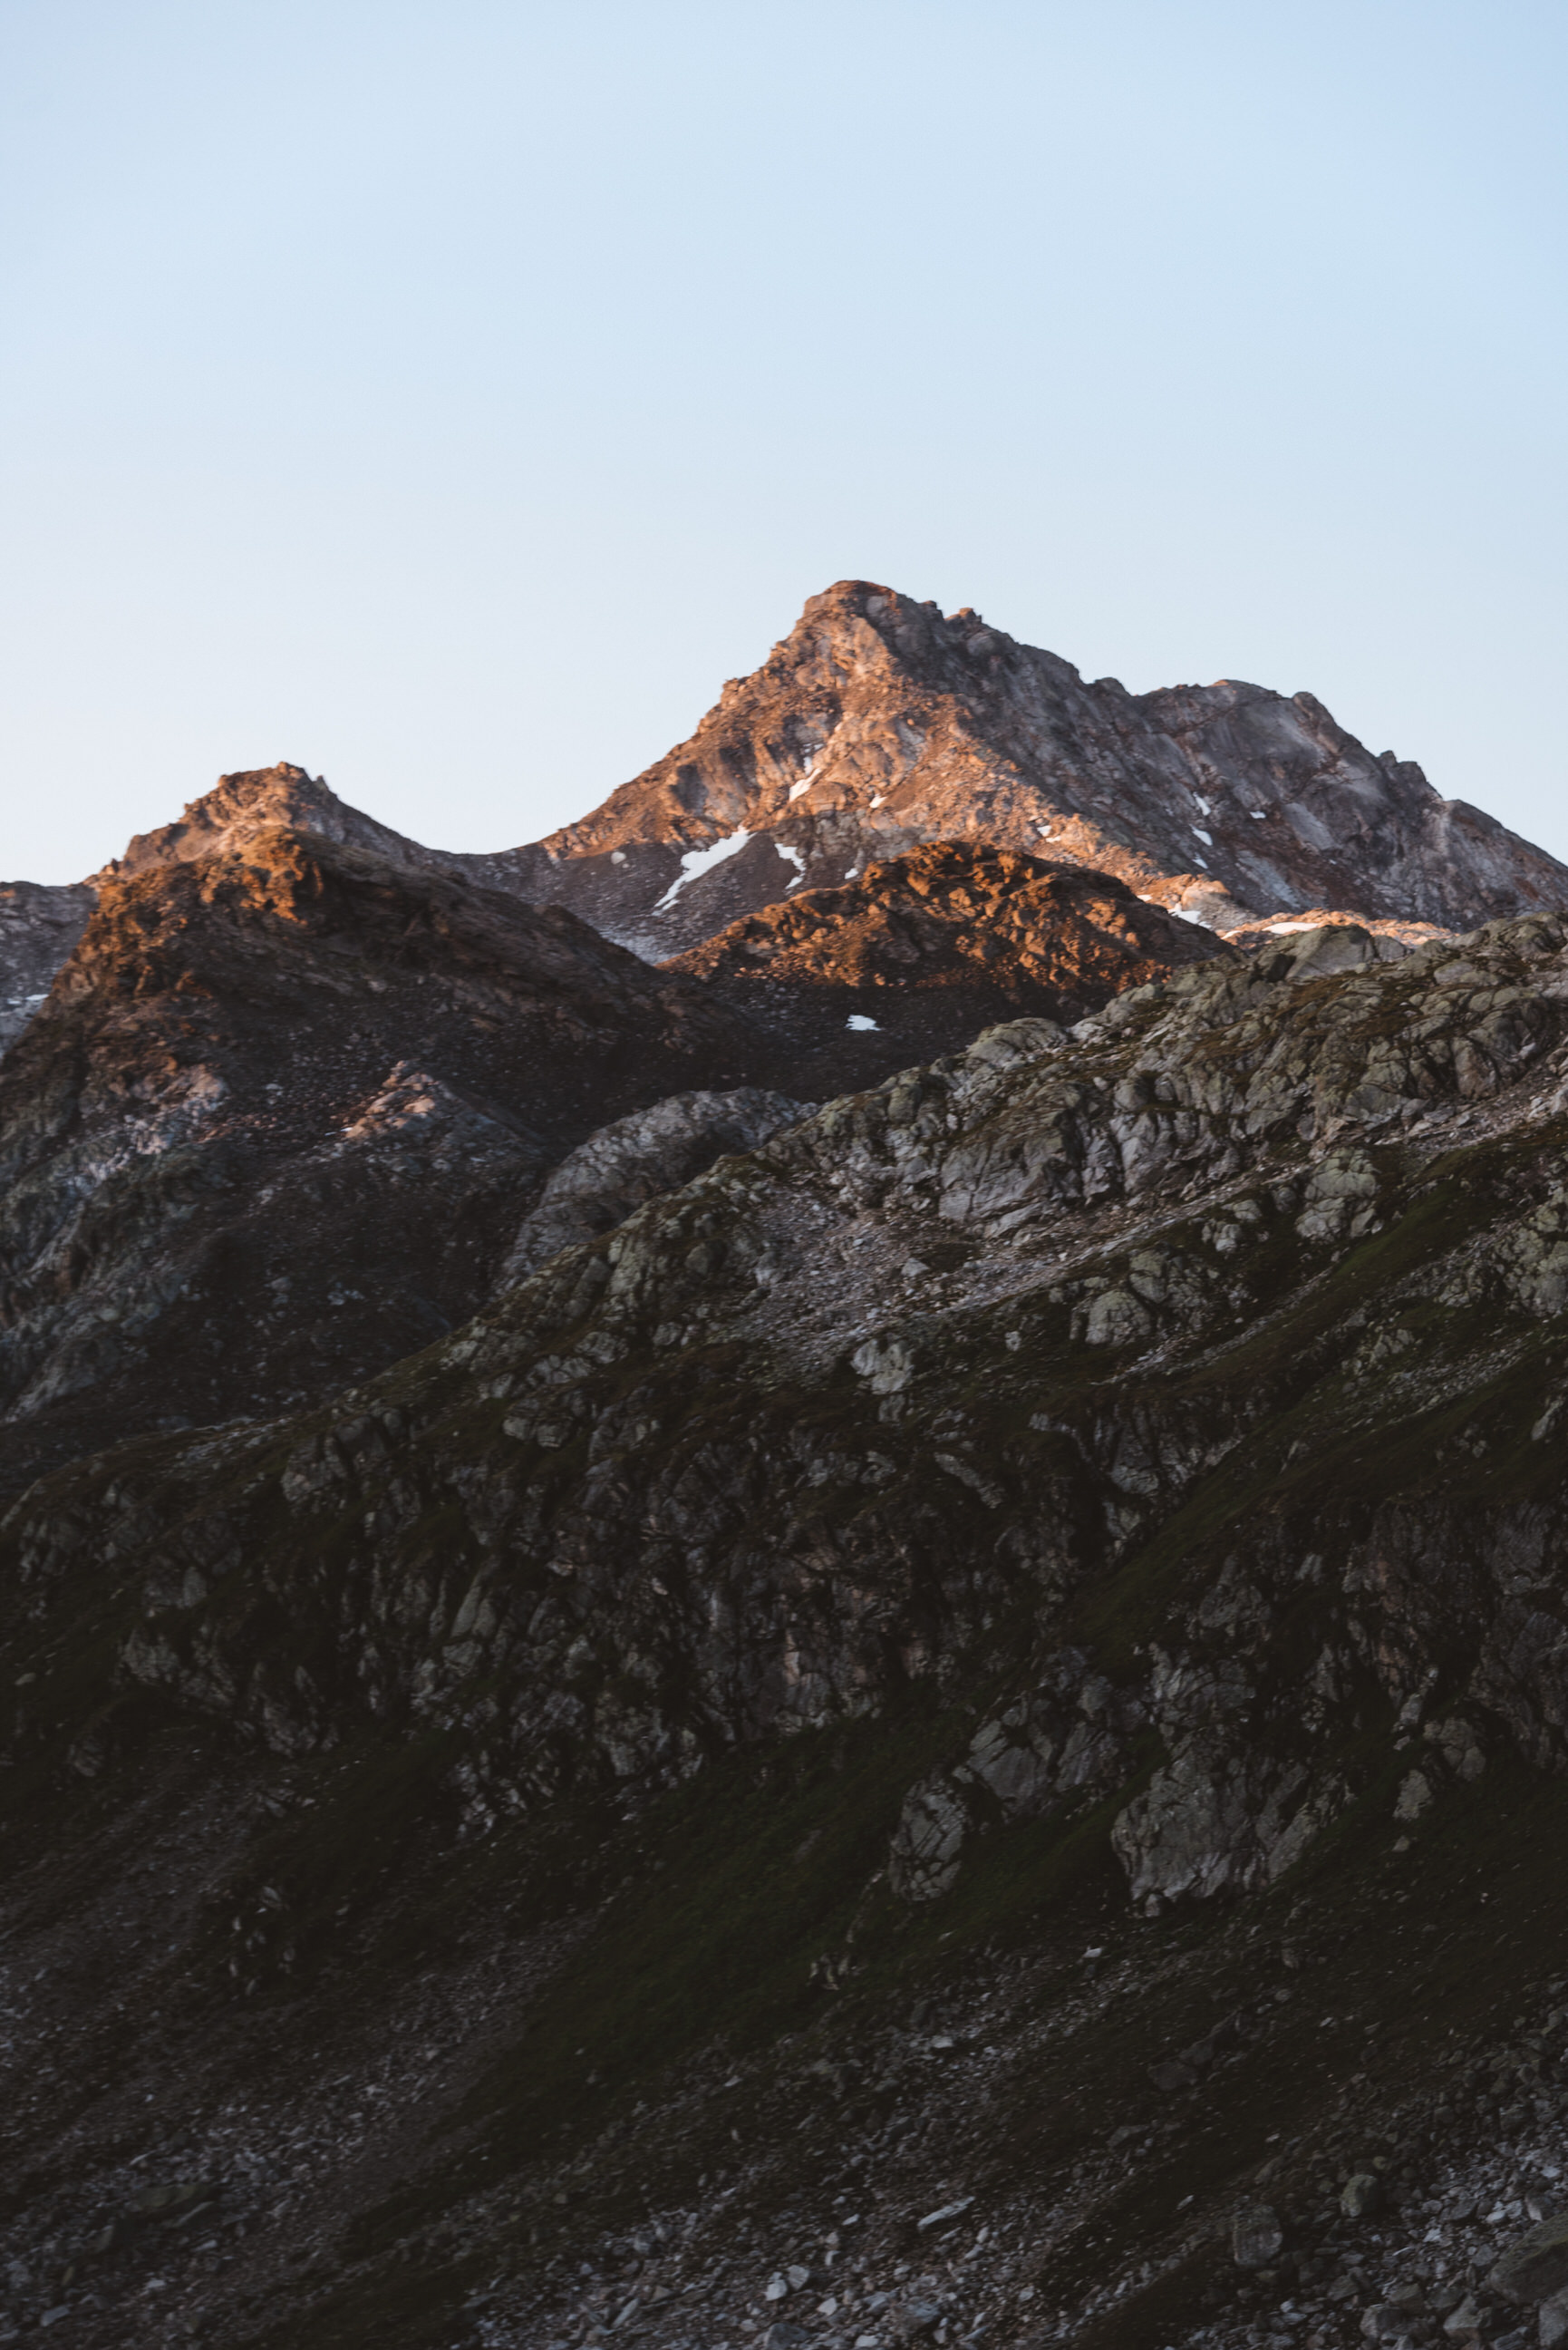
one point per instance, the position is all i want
(793, 1575)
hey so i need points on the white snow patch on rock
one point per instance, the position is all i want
(703, 860)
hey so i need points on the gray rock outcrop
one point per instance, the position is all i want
(602, 1181)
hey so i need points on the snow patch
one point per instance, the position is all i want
(877, 799)
(617, 856)
(1259, 815)
(1198, 921)
(803, 785)
(797, 860)
(861, 1021)
(698, 861)
(1206, 838)
(1204, 807)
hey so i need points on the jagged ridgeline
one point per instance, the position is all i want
(873, 1749)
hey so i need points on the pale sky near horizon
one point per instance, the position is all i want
(450, 397)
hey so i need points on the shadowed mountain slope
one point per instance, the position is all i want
(961, 1725)
(278, 1121)
(39, 928)
(289, 1103)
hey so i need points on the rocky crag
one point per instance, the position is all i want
(279, 1118)
(878, 724)
(954, 1729)
(925, 950)
(790, 1575)
(39, 928)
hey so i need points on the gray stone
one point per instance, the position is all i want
(1257, 2235)
(910, 2319)
(1361, 2195)
(1117, 1319)
(1536, 2269)
(1414, 1795)
(1402, 2311)
(636, 1159)
(929, 1841)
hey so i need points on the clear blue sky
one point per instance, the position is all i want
(450, 397)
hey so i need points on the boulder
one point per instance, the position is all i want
(1536, 2269)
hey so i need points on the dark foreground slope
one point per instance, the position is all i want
(894, 1747)
(279, 1119)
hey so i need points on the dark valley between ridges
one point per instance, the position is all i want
(790, 1574)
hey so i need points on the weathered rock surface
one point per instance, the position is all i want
(39, 928)
(279, 1120)
(878, 724)
(634, 1158)
(925, 950)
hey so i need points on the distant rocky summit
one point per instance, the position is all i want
(878, 724)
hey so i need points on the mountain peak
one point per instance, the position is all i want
(266, 799)
(879, 722)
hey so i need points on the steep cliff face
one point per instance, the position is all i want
(878, 724)
(1101, 1491)
(39, 928)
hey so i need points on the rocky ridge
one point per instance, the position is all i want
(878, 724)
(926, 949)
(279, 1118)
(224, 822)
(897, 1655)
(287, 1111)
